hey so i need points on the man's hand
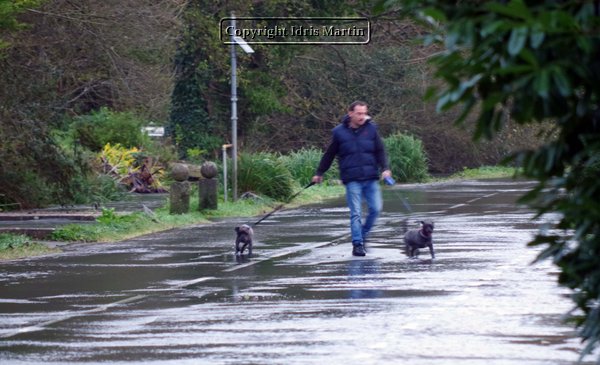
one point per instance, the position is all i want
(386, 173)
(317, 179)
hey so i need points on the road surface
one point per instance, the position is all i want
(182, 297)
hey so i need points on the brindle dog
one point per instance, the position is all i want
(245, 234)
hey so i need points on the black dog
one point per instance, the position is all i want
(419, 238)
(245, 233)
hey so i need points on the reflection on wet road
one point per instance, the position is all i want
(181, 296)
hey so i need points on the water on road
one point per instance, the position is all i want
(182, 297)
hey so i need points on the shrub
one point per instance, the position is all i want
(407, 158)
(12, 241)
(95, 130)
(96, 189)
(132, 168)
(302, 165)
(75, 232)
(27, 188)
(265, 173)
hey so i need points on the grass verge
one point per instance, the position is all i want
(485, 172)
(112, 227)
(18, 246)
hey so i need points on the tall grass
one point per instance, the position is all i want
(302, 165)
(265, 174)
(407, 158)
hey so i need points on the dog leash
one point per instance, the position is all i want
(404, 201)
(282, 205)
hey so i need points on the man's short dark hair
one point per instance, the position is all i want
(357, 102)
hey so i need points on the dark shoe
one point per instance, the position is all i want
(358, 250)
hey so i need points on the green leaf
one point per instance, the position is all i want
(585, 43)
(452, 37)
(430, 93)
(541, 83)
(514, 70)
(536, 38)
(443, 102)
(467, 108)
(492, 100)
(436, 14)
(528, 56)
(517, 40)
(515, 9)
(458, 92)
(491, 28)
(379, 7)
(561, 81)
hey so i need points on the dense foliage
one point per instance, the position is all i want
(64, 59)
(100, 62)
(407, 159)
(95, 130)
(303, 163)
(535, 62)
(200, 103)
(265, 174)
(191, 124)
(9, 9)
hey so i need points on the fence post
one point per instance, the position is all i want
(180, 190)
(208, 187)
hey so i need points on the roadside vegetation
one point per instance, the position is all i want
(93, 83)
(268, 178)
(111, 226)
(14, 246)
(486, 172)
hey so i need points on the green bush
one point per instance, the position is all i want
(95, 130)
(265, 173)
(407, 158)
(12, 241)
(99, 188)
(75, 232)
(302, 165)
(27, 188)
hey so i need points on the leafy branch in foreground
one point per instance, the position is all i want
(539, 63)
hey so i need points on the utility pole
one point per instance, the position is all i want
(239, 41)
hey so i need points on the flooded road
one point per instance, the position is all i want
(181, 297)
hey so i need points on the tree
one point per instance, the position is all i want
(534, 62)
(200, 102)
(9, 10)
(189, 116)
(68, 58)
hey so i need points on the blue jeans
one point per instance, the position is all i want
(355, 192)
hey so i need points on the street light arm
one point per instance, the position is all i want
(242, 43)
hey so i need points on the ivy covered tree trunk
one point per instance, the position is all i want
(191, 125)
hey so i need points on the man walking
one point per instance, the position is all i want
(361, 155)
